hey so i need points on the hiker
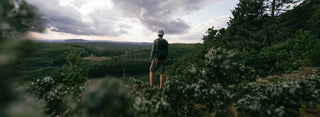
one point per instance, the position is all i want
(159, 53)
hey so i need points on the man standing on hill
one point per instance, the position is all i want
(159, 53)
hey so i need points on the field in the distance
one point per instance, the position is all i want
(95, 58)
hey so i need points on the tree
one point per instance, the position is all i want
(276, 7)
(74, 76)
(213, 36)
(243, 31)
(313, 21)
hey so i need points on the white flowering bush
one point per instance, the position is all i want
(222, 67)
(56, 95)
(182, 98)
(279, 99)
(40, 86)
(61, 96)
(108, 97)
(157, 104)
(148, 101)
(179, 98)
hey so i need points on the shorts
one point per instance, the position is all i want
(157, 64)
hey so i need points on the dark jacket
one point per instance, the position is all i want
(157, 49)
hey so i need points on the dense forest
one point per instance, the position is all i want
(251, 68)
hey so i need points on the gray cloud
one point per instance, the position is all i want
(170, 27)
(153, 14)
(162, 14)
(67, 19)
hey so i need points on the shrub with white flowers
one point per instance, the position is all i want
(61, 97)
(222, 67)
(107, 97)
(181, 98)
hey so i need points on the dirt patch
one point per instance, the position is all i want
(314, 112)
(305, 71)
(294, 76)
(297, 75)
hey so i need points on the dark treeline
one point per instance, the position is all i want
(269, 36)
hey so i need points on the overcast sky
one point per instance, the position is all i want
(184, 21)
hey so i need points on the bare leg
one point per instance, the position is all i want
(151, 76)
(161, 76)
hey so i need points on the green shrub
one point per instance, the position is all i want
(108, 97)
(57, 94)
(73, 74)
(222, 67)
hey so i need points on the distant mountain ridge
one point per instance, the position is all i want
(76, 40)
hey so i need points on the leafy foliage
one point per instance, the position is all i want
(108, 97)
(74, 76)
(266, 43)
(17, 17)
(180, 98)
(56, 93)
(222, 65)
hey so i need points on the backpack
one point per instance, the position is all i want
(162, 49)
